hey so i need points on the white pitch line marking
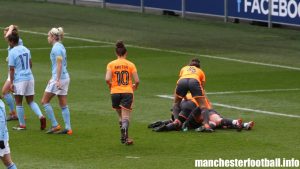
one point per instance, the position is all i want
(132, 157)
(241, 108)
(70, 47)
(174, 51)
(252, 91)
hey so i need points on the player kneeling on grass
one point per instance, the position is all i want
(191, 79)
(119, 78)
(4, 146)
(19, 61)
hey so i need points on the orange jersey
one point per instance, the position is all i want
(122, 71)
(190, 97)
(192, 72)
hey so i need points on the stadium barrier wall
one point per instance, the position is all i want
(285, 12)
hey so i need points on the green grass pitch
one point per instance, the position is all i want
(95, 140)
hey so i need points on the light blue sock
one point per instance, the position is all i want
(12, 166)
(20, 112)
(66, 117)
(35, 108)
(10, 101)
(50, 114)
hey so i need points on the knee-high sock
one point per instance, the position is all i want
(12, 166)
(176, 110)
(125, 126)
(36, 109)
(50, 114)
(20, 112)
(10, 101)
(191, 120)
(125, 123)
(205, 113)
(66, 117)
(226, 122)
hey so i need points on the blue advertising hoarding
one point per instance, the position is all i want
(211, 7)
(164, 4)
(286, 11)
(242, 9)
(125, 2)
(283, 11)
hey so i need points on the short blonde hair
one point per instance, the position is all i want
(57, 32)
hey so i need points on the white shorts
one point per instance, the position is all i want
(51, 87)
(24, 88)
(6, 150)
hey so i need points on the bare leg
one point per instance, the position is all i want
(119, 112)
(6, 159)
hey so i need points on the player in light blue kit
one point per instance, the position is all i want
(4, 146)
(58, 84)
(6, 87)
(19, 60)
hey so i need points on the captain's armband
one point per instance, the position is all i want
(59, 58)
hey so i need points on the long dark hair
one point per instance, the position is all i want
(14, 38)
(195, 62)
(120, 48)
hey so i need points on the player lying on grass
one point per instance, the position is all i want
(190, 117)
(216, 121)
(186, 106)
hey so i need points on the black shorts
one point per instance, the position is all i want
(187, 107)
(189, 84)
(122, 100)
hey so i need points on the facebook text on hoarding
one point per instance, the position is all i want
(281, 8)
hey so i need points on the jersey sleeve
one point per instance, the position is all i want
(133, 69)
(11, 61)
(57, 53)
(202, 77)
(181, 71)
(2, 123)
(29, 54)
(109, 67)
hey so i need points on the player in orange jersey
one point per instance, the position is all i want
(119, 78)
(191, 79)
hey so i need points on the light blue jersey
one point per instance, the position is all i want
(58, 50)
(19, 58)
(8, 49)
(20, 42)
(3, 127)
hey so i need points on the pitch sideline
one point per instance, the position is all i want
(173, 51)
(241, 108)
(70, 47)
